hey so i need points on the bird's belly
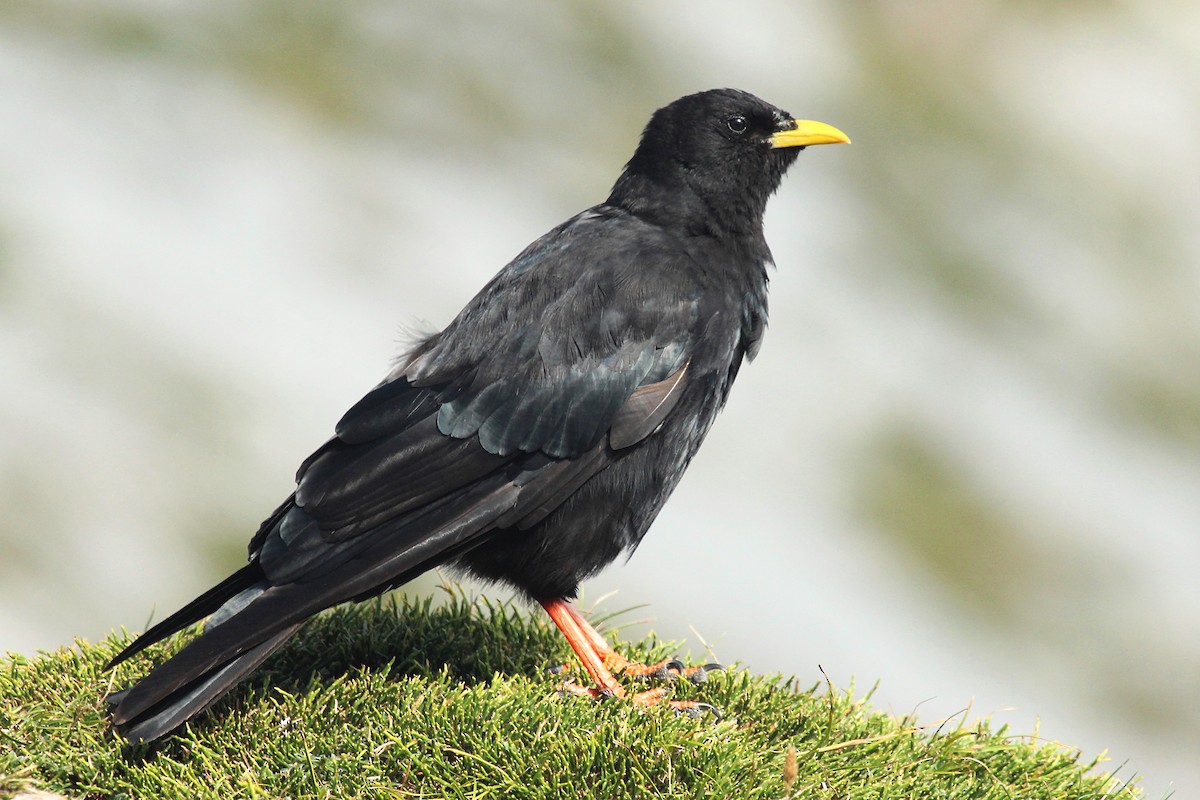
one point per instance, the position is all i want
(607, 516)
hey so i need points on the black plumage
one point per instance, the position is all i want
(537, 436)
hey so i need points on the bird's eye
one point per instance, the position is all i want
(737, 123)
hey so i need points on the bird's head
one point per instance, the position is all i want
(719, 154)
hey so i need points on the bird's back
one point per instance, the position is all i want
(698, 304)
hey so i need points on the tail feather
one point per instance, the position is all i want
(272, 612)
(194, 611)
(140, 724)
(250, 616)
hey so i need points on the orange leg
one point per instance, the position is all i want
(581, 640)
(600, 660)
(667, 668)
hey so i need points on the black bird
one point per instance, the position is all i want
(535, 438)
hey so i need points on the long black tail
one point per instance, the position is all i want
(251, 616)
(144, 712)
(143, 725)
(194, 611)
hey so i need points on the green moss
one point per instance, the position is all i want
(402, 699)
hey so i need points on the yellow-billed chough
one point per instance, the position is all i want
(538, 435)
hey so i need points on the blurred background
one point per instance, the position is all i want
(966, 464)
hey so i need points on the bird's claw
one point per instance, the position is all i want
(673, 669)
(700, 674)
(667, 670)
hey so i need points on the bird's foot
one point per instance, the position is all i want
(667, 669)
(600, 661)
(651, 697)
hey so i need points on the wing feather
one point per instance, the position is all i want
(645, 410)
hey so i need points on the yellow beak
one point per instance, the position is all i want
(808, 132)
